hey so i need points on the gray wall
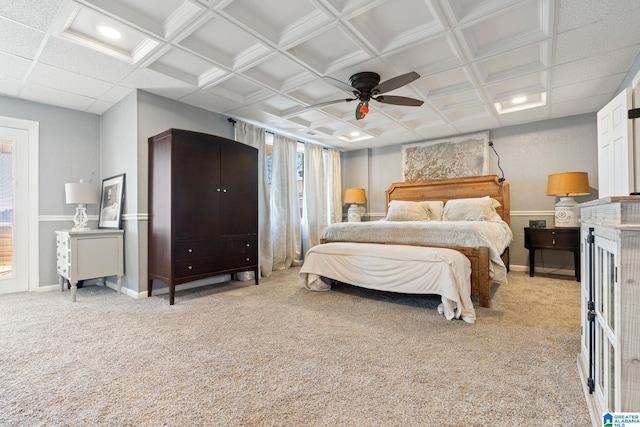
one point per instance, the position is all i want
(74, 145)
(69, 150)
(126, 129)
(157, 114)
(119, 155)
(528, 154)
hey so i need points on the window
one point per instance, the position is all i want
(6, 208)
(299, 166)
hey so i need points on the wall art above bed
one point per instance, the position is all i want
(453, 157)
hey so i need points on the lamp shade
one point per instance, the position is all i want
(568, 184)
(354, 195)
(81, 192)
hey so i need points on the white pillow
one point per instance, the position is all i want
(436, 207)
(471, 209)
(400, 210)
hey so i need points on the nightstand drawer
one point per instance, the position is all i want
(547, 238)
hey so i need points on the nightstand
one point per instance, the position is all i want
(89, 254)
(560, 239)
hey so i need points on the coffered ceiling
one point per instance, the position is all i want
(266, 61)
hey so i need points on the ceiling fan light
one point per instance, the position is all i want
(364, 109)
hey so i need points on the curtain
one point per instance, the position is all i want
(333, 175)
(314, 209)
(255, 137)
(285, 211)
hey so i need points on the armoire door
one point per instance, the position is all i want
(239, 181)
(196, 188)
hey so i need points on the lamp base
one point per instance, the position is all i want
(567, 213)
(80, 219)
(355, 213)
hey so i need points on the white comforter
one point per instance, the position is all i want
(395, 268)
(496, 235)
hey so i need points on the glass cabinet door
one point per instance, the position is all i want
(605, 322)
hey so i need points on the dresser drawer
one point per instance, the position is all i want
(63, 255)
(63, 270)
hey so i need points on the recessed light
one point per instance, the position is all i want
(354, 136)
(110, 32)
(521, 103)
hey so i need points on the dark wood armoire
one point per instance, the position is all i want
(203, 207)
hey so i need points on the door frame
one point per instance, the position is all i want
(33, 237)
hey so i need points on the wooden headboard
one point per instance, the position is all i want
(454, 188)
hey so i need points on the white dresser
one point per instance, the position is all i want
(89, 254)
(609, 358)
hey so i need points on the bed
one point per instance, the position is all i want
(488, 257)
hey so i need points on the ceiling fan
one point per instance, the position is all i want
(366, 86)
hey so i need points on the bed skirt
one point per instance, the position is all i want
(394, 268)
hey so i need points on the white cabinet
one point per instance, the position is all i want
(609, 358)
(89, 254)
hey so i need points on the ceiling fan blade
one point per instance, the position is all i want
(399, 100)
(396, 82)
(335, 101)
(339, 84)
(297, 110)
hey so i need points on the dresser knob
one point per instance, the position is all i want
(189, 250)
(248, 245)
(190, 267)
(247, 259)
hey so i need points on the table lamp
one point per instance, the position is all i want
(566, 185)
(355, 196)
(81, 193)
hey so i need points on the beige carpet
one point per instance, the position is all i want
(237, 354)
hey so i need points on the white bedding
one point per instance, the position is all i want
(395, 268)
(496, 235)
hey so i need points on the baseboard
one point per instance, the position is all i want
(558, 271)
(165, 289)
(138, 295)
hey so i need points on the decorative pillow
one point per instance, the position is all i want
(472, 209)
(408, 211)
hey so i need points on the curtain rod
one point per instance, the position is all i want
(234, 121)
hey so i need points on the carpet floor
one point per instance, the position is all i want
(236, 354)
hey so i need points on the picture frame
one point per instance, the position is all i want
(111, 202)
(537, 223)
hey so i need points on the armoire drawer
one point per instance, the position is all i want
(239, 260)
(239, 247)
(197, 249)
(197, 266)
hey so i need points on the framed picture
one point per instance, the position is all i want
(537, 223)
(111, 202)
